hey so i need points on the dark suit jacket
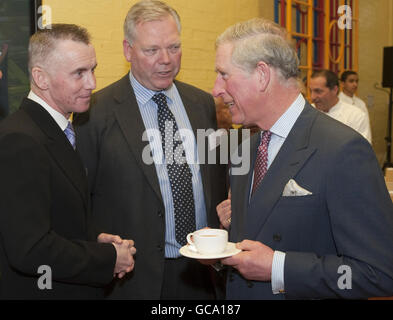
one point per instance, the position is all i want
(44, 213)
(348, 219)
(126, 196)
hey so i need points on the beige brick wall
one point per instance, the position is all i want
(375, 17)
(202, 22)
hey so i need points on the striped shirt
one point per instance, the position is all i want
(148, 109)
(281, 129)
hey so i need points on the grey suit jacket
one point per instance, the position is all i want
(347, 221)
(125, 192)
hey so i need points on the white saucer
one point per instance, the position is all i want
(231, 250)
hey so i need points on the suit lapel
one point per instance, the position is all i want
(58, 146)
(240, 188)
(190, 102)
(292, 156)
(131, 123)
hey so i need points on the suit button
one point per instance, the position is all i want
(250, 284)
(160, 214)
(277, 237)
(160, 248)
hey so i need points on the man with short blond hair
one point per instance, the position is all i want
(45, 221)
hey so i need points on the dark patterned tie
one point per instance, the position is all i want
(260, 167)
(70, 133)
(179, 172)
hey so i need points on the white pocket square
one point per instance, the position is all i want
(292, 189)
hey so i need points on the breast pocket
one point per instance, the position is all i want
(310, 201)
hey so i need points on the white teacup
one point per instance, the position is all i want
(208, 241)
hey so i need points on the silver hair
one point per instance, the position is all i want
(258, 40)
(147, 10)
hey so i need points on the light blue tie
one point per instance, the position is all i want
(70, 133)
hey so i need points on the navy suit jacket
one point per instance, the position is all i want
(347, 221)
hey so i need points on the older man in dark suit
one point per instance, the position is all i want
(313, 216)
(48, 246)
(139, 145)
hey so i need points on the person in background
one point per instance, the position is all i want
(45, 225)
(324, 88)
(312, 217)
(138, 189)
(349, 84)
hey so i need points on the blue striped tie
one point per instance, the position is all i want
(70, 133)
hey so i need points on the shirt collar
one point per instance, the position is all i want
(346, 97)
(56, 115)
(335, 108)
(284, 124)
(144, 95)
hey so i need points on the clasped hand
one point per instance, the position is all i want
(125, 251)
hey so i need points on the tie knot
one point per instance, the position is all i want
(160, 99)
(266, 135)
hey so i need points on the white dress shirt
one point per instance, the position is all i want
(353, 117)
(357, 102)
(56, 115)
